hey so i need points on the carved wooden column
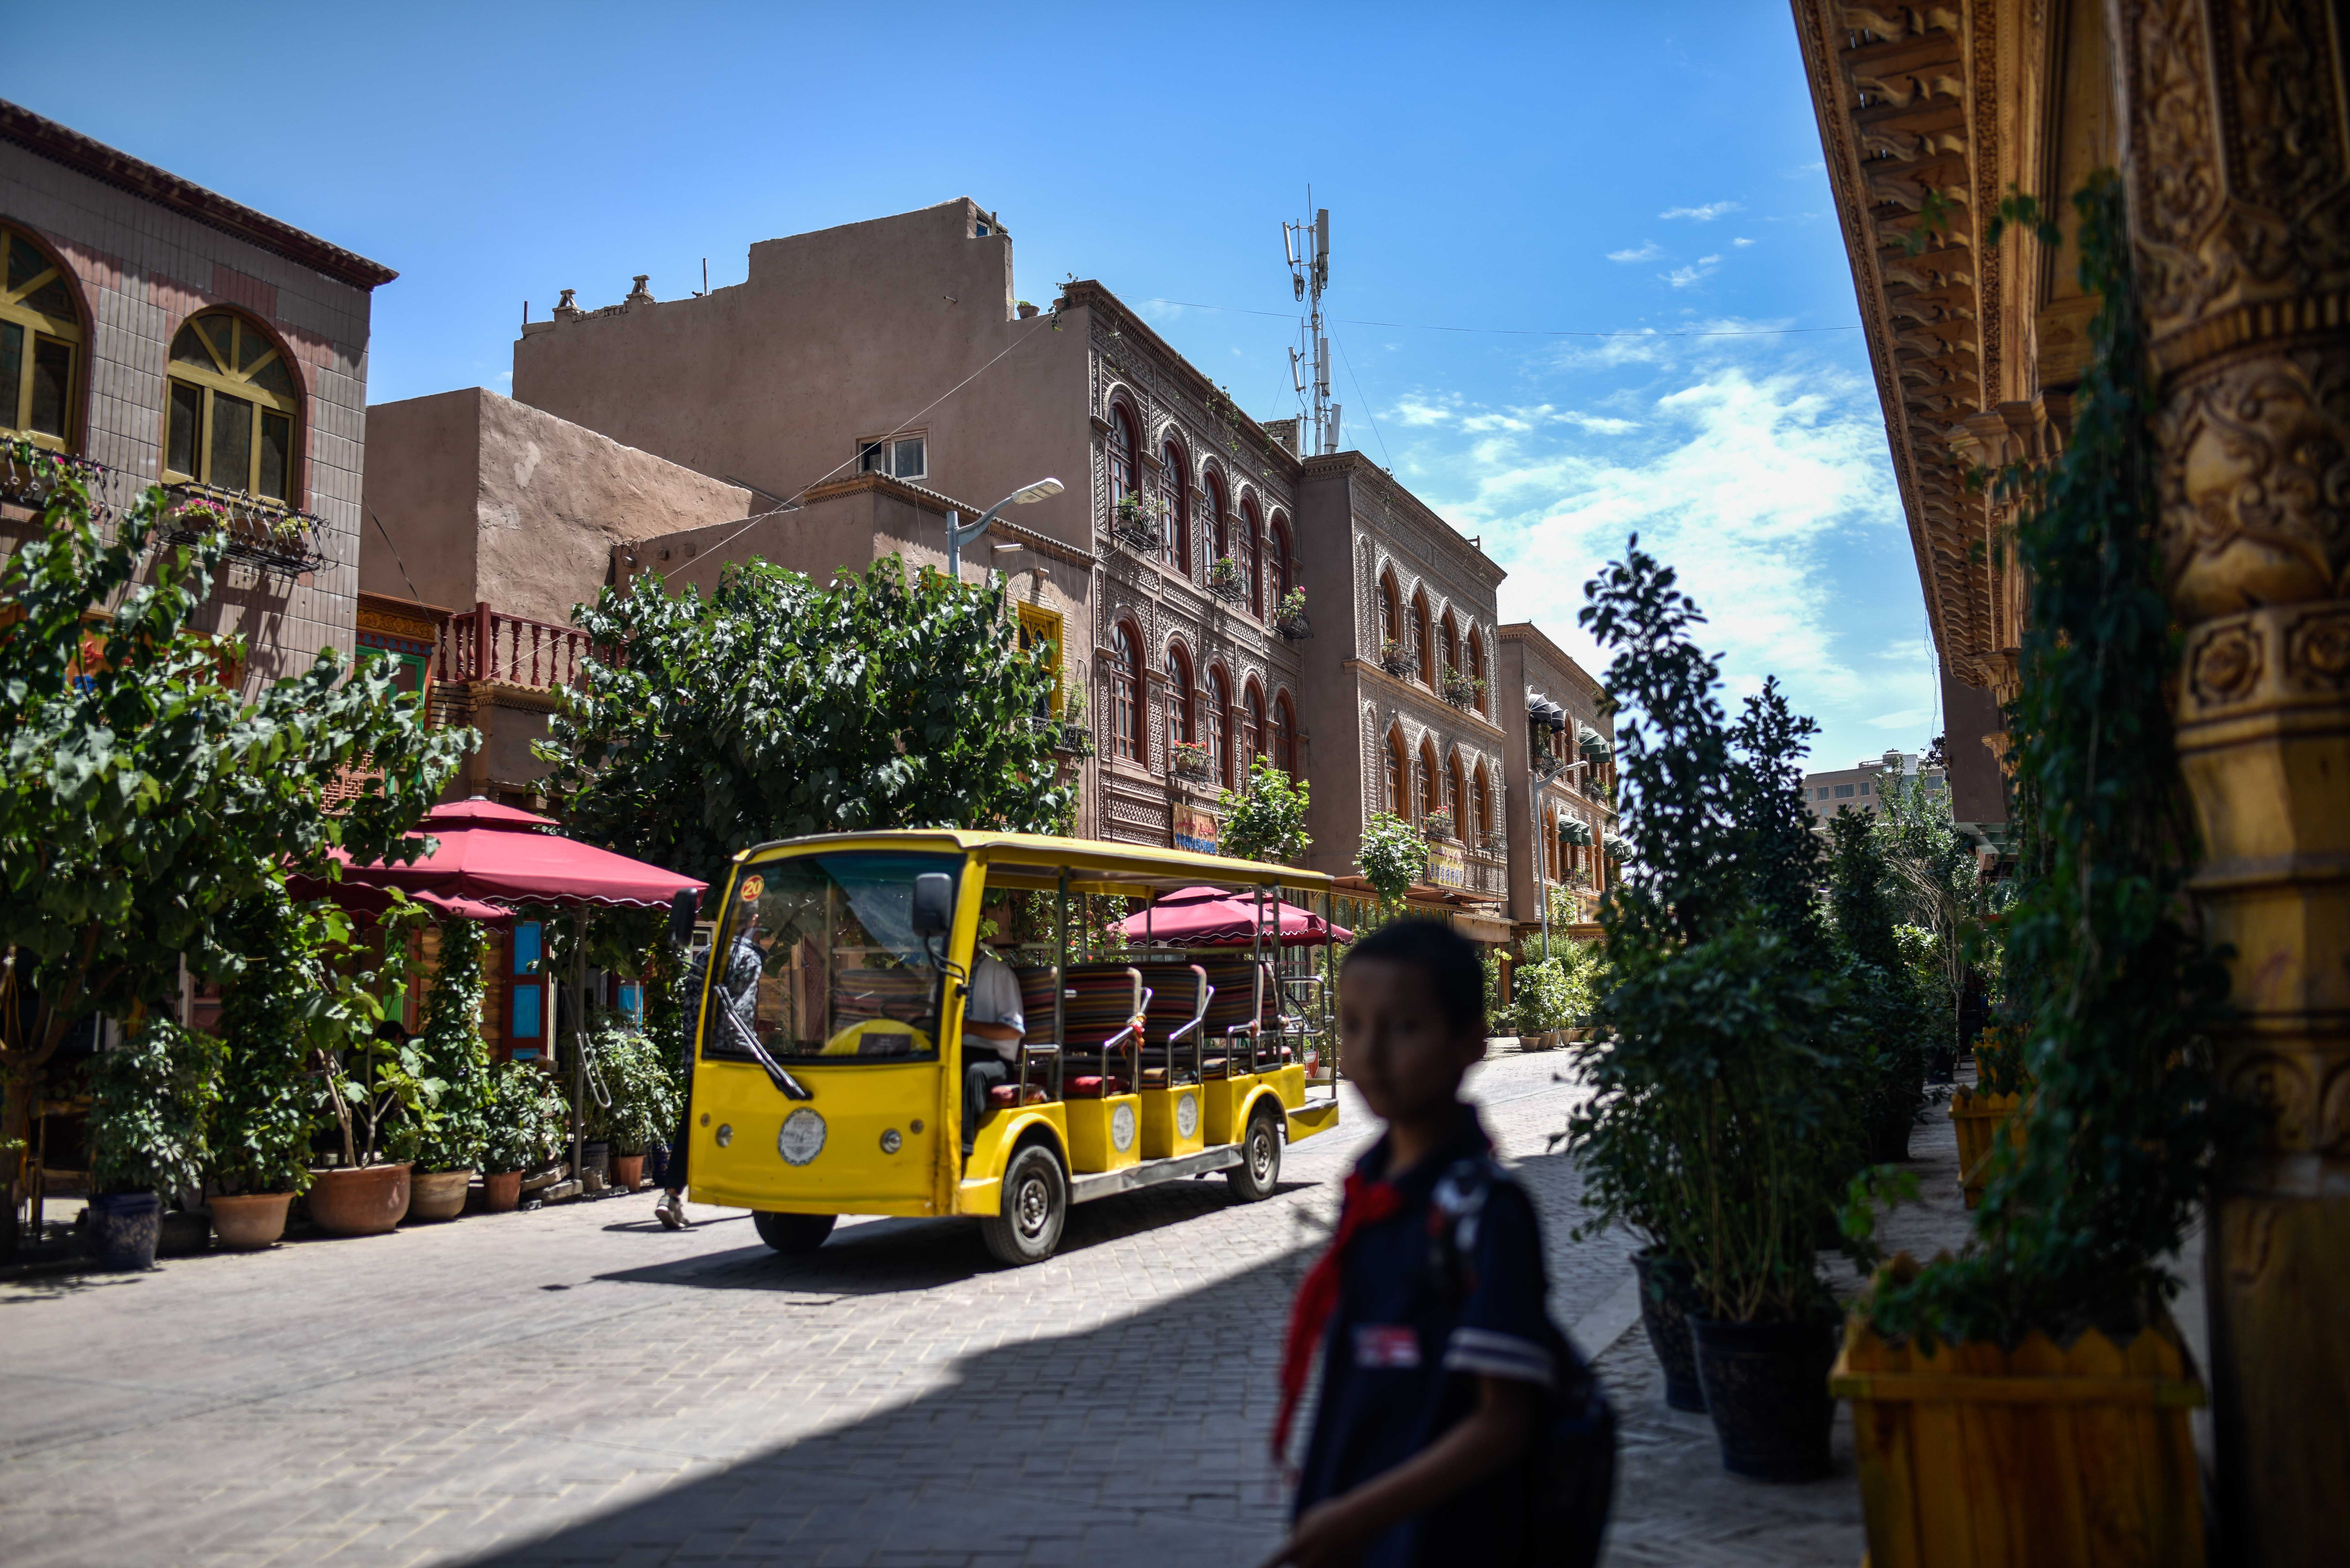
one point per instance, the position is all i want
(2240, 193)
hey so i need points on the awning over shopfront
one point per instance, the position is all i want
(1212, 918)
(495, 855)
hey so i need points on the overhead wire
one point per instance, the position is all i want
(1509, 331)
(1348, 361)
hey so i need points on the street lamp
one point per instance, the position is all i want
(959, 535)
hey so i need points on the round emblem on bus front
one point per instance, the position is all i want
(1187, 1113)
(802, 1139)
(725, 1133)
(1121, 1129)
(892, 1142)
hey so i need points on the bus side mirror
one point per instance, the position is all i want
(933, 904)
(681, 910)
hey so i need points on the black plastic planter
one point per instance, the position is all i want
(1766, 1387)
(123, 1229)
(1666, 1291)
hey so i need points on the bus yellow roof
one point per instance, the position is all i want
(1093, 860)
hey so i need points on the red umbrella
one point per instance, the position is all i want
(365, 898)
(495, 854)
(1212, 918)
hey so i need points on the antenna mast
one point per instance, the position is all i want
(1307, 246)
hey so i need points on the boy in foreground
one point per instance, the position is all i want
(1443, 1379)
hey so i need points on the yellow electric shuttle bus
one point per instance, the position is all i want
(829, 1070)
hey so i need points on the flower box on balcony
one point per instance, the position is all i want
(1134, 521)
(269, 535)
(1191, 760)
(29, 474)
(1397, 660)
(1224, 580)
(1437, 824)
(1463, 691)
(1289, 617)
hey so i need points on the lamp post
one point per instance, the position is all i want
(959, 535)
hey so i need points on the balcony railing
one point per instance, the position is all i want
(29, 474)
(263, 533)
(510, 649)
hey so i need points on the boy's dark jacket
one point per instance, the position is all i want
(1439, 1280)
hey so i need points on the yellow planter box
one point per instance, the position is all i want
(1977, 1118)
(2039, 1456)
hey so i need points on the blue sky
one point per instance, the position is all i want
(1651, 169)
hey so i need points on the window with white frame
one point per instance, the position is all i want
(905, 455)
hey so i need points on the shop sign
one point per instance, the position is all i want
(1195, 830)
(1448, 865)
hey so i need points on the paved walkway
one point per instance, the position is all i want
(576, 1385)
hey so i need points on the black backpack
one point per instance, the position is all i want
(1571, 1468)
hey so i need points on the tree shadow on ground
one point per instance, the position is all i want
(1145, 1436)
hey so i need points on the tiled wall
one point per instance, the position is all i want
(143, 269)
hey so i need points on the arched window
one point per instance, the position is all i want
(1422, 655)
(1284, 734)
(1390, 612)
(1477, 668)
(1480, 801)
(1126, 696)
(1219, 527)
(1252, 728)
(1124, 472)
(1456, 795)
(1253, 557)
(1175, 502)
(1181, 729)
(1398, 781)
(41, 340)
(235, 412)
(1451, 646)
(1285, 560)
(1219, 728)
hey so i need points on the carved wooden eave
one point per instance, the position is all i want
(1904, 96)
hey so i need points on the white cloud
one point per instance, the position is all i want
(1906, 719)
(1704, 214)
(1648, 251)
(1742, 241)
(1696, 272)
(1753, 484)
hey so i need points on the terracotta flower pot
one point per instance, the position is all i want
(438, 1194)
(627, 1171)
(501, 1191)
(360, 1200)
(251, 1222)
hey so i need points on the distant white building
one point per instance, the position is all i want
(1861, 787)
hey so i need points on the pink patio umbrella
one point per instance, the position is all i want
(494, 854)
(1212, 918)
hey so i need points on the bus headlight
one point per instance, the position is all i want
(802, 1139)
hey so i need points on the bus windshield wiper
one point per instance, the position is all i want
(792, 1087)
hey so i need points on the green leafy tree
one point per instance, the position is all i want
(646, 1099)
(140, 798)
(276, 956)
(1394, 855)
(455, 1053)
(150, 1100)
(1885, 1022)
(1941, 886)
(529, 1119)
(1718, 1129)
(778, 706)
(1265, 818)
(2114, 992)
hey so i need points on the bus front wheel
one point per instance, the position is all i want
(1259, 1171)
(1034, 1205)
(793, 1234)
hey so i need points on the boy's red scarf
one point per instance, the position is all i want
(1367, 1202)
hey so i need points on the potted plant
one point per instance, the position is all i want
(1438, 825)
(1717, 1130)
(645, 1098)
(1397, 660)
(525, 1124)
(150, 1099)
(1289, 618)
(2052, 1322)
(450, 1150)
(1190, 759)
(1463, 691)
(259, 1149)
(1226, 582)
(380, 1099)
(1134, 518)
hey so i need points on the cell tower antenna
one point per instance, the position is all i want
(1306, 248)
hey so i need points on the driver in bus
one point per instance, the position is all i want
(993, 1028)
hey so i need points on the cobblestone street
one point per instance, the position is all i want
(576, 1385)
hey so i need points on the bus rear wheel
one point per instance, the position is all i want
(794, 1235)
(1259, 1171)
(1034, 1199)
